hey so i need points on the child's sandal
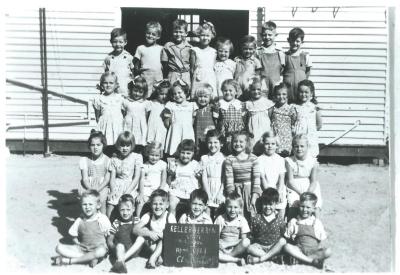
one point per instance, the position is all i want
(59, 261)
(252, 260)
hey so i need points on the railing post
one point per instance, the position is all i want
(43, 65)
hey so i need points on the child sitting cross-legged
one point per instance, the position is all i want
(307, 234)
(198, 206)
(267, 229)
(151, 226)
(121, 240)
(88, 234)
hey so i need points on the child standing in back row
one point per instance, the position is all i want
(224, 67)
(202, 58)
(176, 54)
(297, 63)
(272, 59)
(119, 60)
(147, 58)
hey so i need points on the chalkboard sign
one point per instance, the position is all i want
(194, 245)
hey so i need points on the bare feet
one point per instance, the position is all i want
(252, 260)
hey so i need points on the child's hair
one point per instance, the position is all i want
(269, 25)
(91, 192)
(309, 196)
(258, 80)
(247, 39)
(159, 193)
(296, 33)
(269, 196)
(199, 194)
(215, 133)
(103, 78)
(242, 133)
(222, 41)
(205, 27)
(154, 25)
(234, 196)
(270, 134)
(126, 198)
(280, 86)
(179, 23)
(187, 145)
(299, 137)
(97, 134)
(309, 84)
(117, 32)
(233, 83)
(139, 83)
(125, 138)
(203, 88)
(154, 145)
(184, 86)
(158, 86)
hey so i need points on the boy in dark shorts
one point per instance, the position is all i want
(121, 240)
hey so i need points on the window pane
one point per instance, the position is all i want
(196, 19)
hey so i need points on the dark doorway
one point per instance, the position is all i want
(232, 24)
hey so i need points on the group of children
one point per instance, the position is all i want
(196, 131)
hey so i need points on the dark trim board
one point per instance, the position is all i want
(80, 146)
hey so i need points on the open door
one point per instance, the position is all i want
(232, 24)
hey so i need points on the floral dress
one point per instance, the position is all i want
(110, 120)
(223, 70)
(282, 121)
(124, 173)
(306, 124)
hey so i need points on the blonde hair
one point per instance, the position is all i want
(270, 134)
(300, 137)
(206, 26)
(154, 145)
(203, 88)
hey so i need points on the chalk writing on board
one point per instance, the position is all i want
(194, 245)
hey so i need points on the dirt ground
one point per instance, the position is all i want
(41, 205)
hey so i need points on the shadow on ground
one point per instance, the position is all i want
(67, 207)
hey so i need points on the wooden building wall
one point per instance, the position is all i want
(349, 54)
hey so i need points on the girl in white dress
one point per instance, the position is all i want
(224, 67)
(108, 107)
(202, 58)
(302, 170)
(137, 108)
(272, 169)
(258, 121)
(178, 117)
(153, 175)
(211, 167)
(156, 131)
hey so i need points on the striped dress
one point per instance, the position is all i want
(243, 176)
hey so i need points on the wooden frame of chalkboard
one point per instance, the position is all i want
(192, 245)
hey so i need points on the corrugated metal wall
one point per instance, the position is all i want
(349, 55)
(77, 43)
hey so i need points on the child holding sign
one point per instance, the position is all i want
(151, 226)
